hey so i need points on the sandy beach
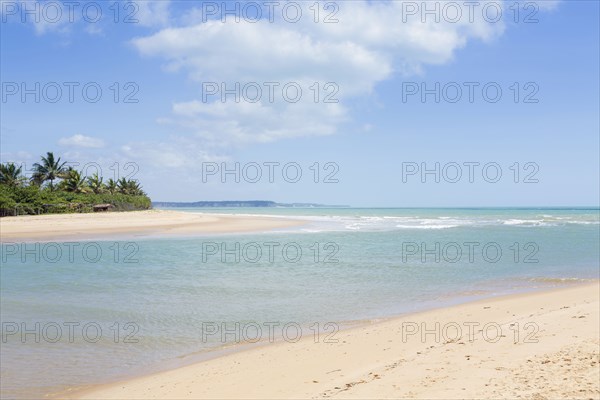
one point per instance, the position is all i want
(536, 345)
(367, 199)
(137, 223)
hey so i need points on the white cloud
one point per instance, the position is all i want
(16, 157)
(372, 42)
(178, 152)
(64, 19)
(264, 52)
(364, 48)
(151, 13)
(44, 16)
(94, 29)
(81, 141)
(224, 123)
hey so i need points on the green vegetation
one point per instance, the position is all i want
(56, 188)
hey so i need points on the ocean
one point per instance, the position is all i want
(81, 313)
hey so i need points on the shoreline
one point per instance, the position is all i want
(230, 379)
(148, 223)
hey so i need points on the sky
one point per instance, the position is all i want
(361, 103)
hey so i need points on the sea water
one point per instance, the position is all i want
(81, 313)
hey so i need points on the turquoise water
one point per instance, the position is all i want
(343, 266)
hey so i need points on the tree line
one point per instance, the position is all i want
(56, 187)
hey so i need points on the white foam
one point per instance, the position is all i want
(426, 226)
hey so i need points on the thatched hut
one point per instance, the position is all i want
(102, 207)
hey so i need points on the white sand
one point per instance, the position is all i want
(138, 223)
(559, 360)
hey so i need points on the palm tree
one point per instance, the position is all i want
(135, 188)
(49, 170)
(123, 186)
(111, 186)
(75, 182)
(131, 187)
(95, 183)
(10, 175)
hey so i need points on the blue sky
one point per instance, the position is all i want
(372, 55)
